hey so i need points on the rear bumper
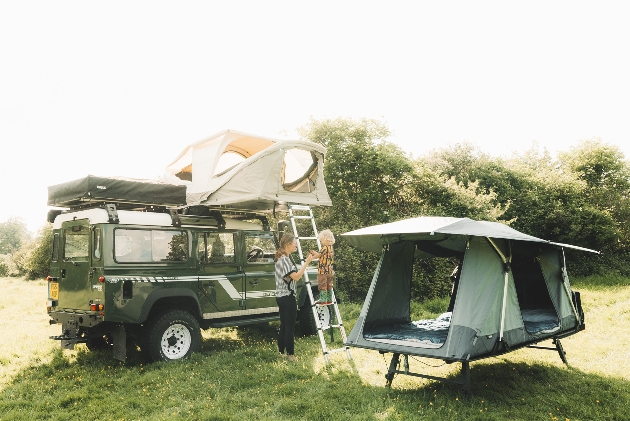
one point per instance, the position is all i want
(79, 319)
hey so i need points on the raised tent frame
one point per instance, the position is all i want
(487, 318)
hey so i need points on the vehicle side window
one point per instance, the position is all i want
(144, 246)
(55, 248)
(76, 243)
(96, 244)
(202, 247)
(221, 247)
(260, 248)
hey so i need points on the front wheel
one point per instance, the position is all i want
(174, 335)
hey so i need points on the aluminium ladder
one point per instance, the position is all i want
(306, 213)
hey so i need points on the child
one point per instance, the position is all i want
(325, 271)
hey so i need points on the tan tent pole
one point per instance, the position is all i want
(565, 277)
(505, 283)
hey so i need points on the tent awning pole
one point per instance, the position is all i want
(505, 288)
(506, 269)
(565, 279)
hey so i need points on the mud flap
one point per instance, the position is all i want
(120, 343)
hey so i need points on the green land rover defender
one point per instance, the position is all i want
(134, 273)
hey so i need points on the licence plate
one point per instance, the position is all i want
(53, 290)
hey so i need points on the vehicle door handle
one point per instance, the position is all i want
(253, 282)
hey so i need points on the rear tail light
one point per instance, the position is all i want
(101, 279)
(97, 307)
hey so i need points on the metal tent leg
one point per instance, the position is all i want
(392, 370)
(563, 355)
(466, 379)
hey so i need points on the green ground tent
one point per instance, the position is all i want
(510, 290)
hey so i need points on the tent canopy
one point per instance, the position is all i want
(236, 169)
(509, 288)
(442, 230)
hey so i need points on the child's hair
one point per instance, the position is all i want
(284, 241)
(327, 235)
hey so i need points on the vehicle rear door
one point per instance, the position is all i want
(75, 281)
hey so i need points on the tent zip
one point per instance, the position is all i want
(506, 270)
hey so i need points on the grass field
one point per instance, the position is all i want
(237, 375)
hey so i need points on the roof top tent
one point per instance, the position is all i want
(237, 170)
(510, 290)
(91, 190)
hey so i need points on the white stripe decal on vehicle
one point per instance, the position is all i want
(229, 288)
(223, 280)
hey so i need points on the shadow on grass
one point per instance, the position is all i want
(241, 377)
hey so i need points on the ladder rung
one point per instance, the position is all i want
(307, 238)
(301, 217)
(332, 351)
(329, 326)
(299, 207)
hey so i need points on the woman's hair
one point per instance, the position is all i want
(284, 242)
(327, 235)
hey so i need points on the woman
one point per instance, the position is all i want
(286, 276)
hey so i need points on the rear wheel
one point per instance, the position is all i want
(99, 343)
(174, 335)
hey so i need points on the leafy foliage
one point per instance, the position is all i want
(13, 234)
(579, 198)
(4, 268)
(34, 258)
(372, 181)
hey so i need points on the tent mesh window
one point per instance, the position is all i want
(300, 170)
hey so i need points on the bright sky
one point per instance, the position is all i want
(121, 87)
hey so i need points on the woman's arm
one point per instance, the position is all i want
(297, 275)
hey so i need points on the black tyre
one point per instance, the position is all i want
(99, 343)
(174, 335)
(307, 321)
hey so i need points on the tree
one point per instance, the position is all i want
(607, 176)
(34, 257)
(372, 181)
(13, 233)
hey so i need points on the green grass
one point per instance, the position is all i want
(238, 376)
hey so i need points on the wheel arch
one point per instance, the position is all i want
(171, 298)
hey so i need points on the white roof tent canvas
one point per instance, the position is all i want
(506, 281)
(237, 170)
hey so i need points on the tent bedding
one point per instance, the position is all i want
(432, 333)
(540, 320)
(427, 333)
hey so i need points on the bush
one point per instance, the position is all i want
(33, 259)
(4, 269)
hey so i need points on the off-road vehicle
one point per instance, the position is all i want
(128, 271)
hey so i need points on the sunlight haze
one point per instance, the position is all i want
(121, 88)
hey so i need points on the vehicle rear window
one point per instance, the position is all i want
(76, 243)
(144, 246)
